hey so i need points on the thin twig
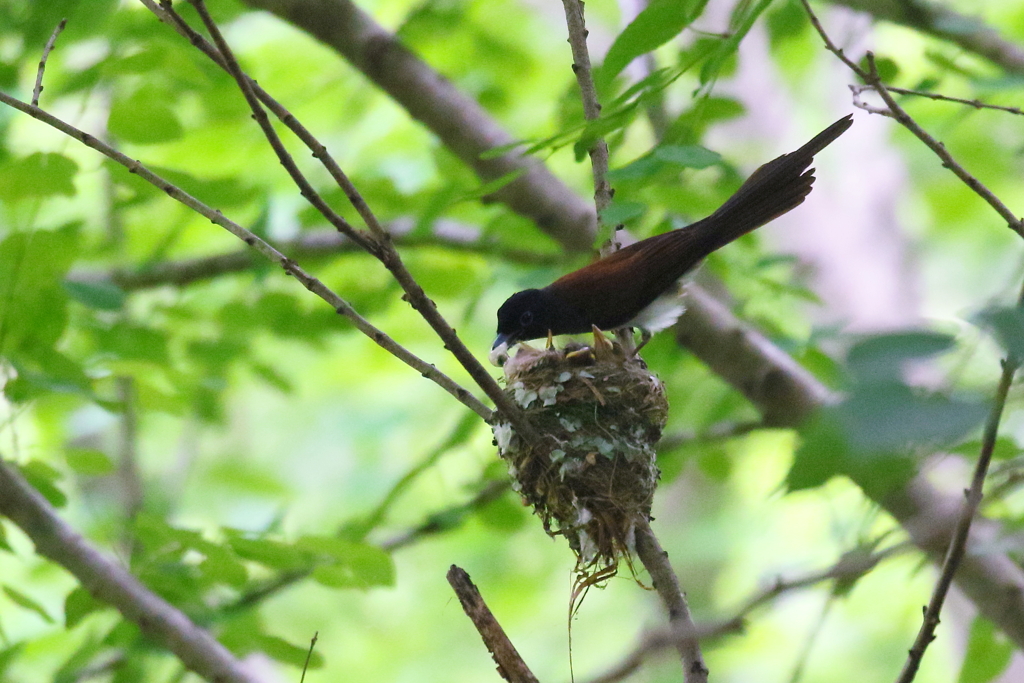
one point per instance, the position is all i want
(576, 24)
(436, 523)
(38, 89)
(315, 245)
(958, 543)
(370, 243)
(655, 559)
(850, 567)
(459, 121)
(510, 664)
(786, 394)
(309, 655)
(870, 76)
(977, 104)
(128, 462)
(109, 582)
(967, 32)
(378, 243)
(289, 266)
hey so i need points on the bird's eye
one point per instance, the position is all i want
(526, 318)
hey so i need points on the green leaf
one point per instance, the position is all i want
(601, 127)
(79, 604)
(1005, 448)
(285, 652)
(42, 477)
(103, 296)
(505, 514)
(71, 670)
(825, 451)
(134, 342)
(34, 311)
(351, 564)
(887, 417)
(219, 192)
(688, 156)
(37, 175)
(143, 118)
(492, 186)
(89, 461)
(643, 168)
(44, 370)
(269, 553)
(822, 454)
(618, 213)
(222, 566)
(743, 22)
(887, 68)
(988, 653)
(786, 20)
(22, 600)
(8, 655)
(1007, 324)
(4, 545)
(881, 357)
(658, 23)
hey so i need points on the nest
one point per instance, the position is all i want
(592, 475)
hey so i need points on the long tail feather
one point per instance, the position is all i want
(772, 190)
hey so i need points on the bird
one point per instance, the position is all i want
(635, 287)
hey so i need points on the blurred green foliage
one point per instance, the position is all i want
(297, 479)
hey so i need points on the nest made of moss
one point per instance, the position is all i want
(592, 475)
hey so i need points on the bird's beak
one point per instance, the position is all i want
(499, 350)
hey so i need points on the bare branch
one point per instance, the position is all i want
(574, 19)
(438, 522)
(968, 33)
(309, 655)
(851, 566)
(958, 544)
(38, 89)
(128, 462)
(378, 243)
(786, 394)
(311, 246)
(663, 577)
(110, 583)
(460, 122)
(510, 664)
(977, 104)
(263, 248)
(871, 78)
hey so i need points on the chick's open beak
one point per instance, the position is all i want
(499, 350)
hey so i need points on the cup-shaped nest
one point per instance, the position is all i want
(592, 475)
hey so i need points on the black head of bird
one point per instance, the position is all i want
(626, 288)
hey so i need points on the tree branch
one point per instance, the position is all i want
(871, 77)
(655, 559)
(109, 582)
(510, 664)
(786, 394)
(311, 246)
(938, 97)
(783, 390)
(460, 122)
(37, 91)
(377, 242)
(851, 566)
(574, 19)
(266, 250)
(958, 543)
(968, 33)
